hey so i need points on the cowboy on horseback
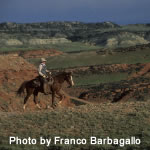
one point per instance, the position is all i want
(42, 70)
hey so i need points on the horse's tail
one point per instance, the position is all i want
(21, 89)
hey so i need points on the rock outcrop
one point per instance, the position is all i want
(105, 34)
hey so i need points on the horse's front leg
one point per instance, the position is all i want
(36, 99)
(61, 96)
(53, 99)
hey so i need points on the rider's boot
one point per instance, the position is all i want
(45, 89)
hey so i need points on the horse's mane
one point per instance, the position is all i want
(60, 74)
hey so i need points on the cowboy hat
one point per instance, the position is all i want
(43, 60)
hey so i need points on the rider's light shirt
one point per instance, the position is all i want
(42, 69)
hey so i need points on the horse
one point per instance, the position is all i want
(34, 87)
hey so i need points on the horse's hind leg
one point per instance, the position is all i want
(25, 100)
(36, 99)
(29, 93)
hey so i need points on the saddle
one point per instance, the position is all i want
(35, 83)
(38, 81)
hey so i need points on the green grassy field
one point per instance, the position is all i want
(101, 121)
(65, 47)
(92, 58)
(95, 79)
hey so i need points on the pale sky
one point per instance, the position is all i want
(118, 11)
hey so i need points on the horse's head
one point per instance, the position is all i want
(68, 78)
(50, 78)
